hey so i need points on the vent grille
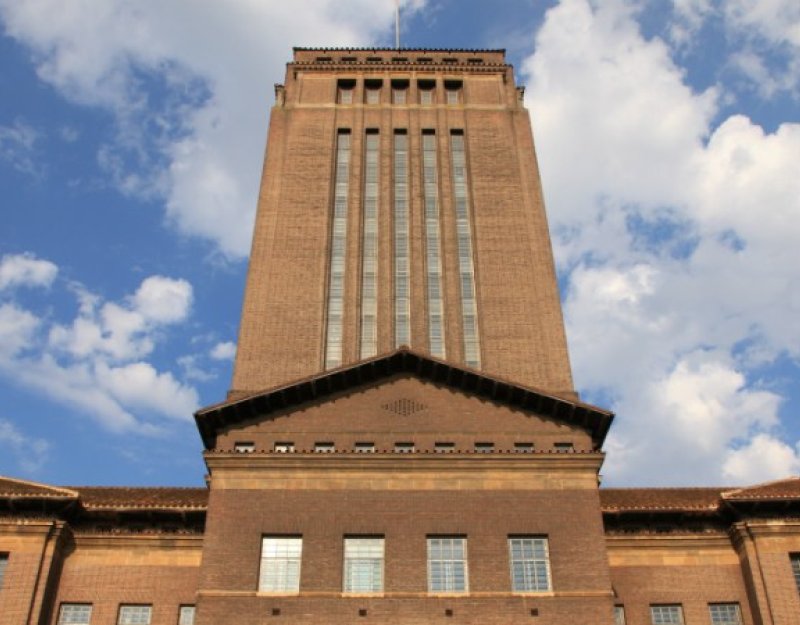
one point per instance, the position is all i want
(404, 407)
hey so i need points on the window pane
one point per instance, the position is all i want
(186, 615)
(134, 615)
(666, 614)
(363, 565)
(402, 303)
(280, 564)
(725, 614)
(433, 247)
(619, 615)
(795, 558)
(3, 565)
(530, 564)
(75, 614)
(369, 251)
(447, 564)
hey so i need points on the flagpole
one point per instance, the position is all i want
(397, 24)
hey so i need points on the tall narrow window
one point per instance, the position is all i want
(399, 91)
(619, 615)
(333, 346)
(134, 614)
(795, 560)
(447, 564)
(363, 565)
(453, 90)
(402, 287)
(3, 565)
(466, 269)
(369, 252)
(530, 563)
(666, 614)
(372, 91)
(433, 254)
(75, 614)
(425, 89)
(280, 564)
(345, 91)
(725, 614)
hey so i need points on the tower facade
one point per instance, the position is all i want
(400, 205)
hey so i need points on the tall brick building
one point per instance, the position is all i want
(402, 442)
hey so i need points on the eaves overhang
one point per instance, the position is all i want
(595, 421)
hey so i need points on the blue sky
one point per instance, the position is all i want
(131, 139)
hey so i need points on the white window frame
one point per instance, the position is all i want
(666, 614)
(403, 448)
(363, 565)
(244, 447)
(186, 615)
(529, 564)
(135, 614)
(75, 614)
(719, 613)
(324, 447)
(281, 564)
(284, 447)
(448, 571)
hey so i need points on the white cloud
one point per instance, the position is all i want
(203, 151)
(763, 458)
(95, 363)
(17, 145)
(163, 300)
(30, 452)
(678, 242)
(26, 270)
(224, 351)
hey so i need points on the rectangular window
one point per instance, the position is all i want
(134, 614)
(425, 89)
(3, 566)
(324, 448)
(563, 446)
(284, 447)
(363, 565)
(447, 564)
(453, 91)
(433, 244)
(372, 91)
(399, 96)
(345, 91)
(365, 447)
(795, 559)
(75, 614)
(466, 269)
(484, 448)
(369, 251)
(666, 614)
(725, 614)
(333, 345)
(186, 615)
(530, 563)
(402, 286)
(619, 615)
(280, 564)
(244, 447)
(442, 447)
(404, 448)
(523, 448)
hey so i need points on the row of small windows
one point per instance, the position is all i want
(281, 558)
(719, 614)
(399, 447)
(424, 60)
(81, 614)
(427, 92)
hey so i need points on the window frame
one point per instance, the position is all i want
(449, 565)
(186, 607)
(737, 612)
(5, 557)
(133, 606)
(68, 605)
(354, 565)
(286, 580)
(529, 563)
(656, 620)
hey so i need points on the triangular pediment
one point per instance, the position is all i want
(406, 364)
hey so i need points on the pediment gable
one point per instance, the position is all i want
(473, 395)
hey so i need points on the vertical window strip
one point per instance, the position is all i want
(333, 346)
(795, 560)
(433, 247)
(369, 258)
(363, 565)
(402, 286)
(3, 566)
(466, 268)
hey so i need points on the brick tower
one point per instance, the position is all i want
(400, 205)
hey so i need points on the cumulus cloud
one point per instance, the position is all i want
(96, 363)
(224, 351)
(205, 124)
(26, 270)
(17, 145)
(30, 452)
(675, 235)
